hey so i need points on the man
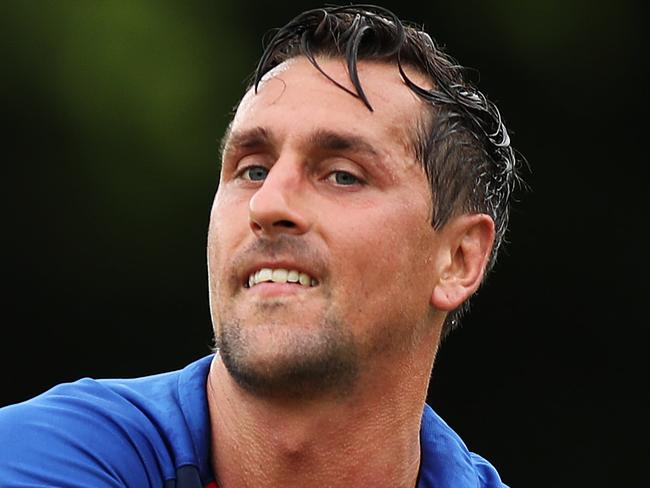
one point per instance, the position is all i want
(364, 193)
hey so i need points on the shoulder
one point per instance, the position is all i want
(130, 432)
(446, 461)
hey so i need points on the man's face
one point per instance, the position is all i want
(317, 188)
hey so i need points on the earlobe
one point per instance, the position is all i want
(465, 247)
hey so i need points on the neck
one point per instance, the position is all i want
(368, 438)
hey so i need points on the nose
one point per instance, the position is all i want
(277, 207)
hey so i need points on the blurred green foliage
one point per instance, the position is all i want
(141, 89)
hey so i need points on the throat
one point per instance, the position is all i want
(274, 460)
(265, 443)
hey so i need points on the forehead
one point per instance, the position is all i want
(295, 98)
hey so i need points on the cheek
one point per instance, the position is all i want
(228, 216)
(389, 263)
(228, 227)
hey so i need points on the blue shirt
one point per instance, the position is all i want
(155, 432)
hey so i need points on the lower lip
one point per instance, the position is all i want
(269, 289)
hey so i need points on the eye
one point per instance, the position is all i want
(344, 178)
(254, 173)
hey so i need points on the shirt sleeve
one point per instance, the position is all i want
(77, 435)
(487, 474)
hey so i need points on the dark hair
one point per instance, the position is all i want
(462, 141)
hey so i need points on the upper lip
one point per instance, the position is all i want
(276, 264)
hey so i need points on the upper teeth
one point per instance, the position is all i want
(280, 275)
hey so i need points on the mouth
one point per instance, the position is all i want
(280, 275)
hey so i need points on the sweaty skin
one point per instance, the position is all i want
(323, 385)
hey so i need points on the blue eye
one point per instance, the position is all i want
(255, 173)
(344, 178)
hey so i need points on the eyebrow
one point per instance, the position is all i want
(329, 140)
(255, 138)
(321, 139)
(336, 141)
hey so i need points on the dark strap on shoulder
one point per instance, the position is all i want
(187, 477)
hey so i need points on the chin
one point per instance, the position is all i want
(287, 360)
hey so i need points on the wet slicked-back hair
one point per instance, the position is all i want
(461, 141)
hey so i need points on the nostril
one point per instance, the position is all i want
(284, 223)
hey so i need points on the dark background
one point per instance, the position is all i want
(112, 116)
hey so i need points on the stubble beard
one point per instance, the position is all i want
(311, 364)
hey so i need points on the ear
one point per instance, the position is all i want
(465, 247)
